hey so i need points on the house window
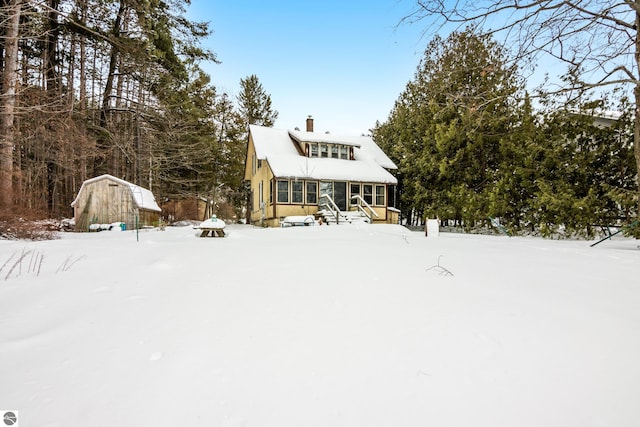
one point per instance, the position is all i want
(326, 188)
(314, 150)
(283, 191)
(380, 195)
(391, 196)
(344, 152)
(367, 193)
(355, 191)
(253, 164)
(324, 150)
(334, 151)
(297, 188)
(271, 192)
(312, 192)
(259, 163)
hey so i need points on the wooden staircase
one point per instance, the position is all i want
(342, 217)
(331, 214)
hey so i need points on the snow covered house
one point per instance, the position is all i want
(334, 178)
(106, 199)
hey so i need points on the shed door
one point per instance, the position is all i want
(114, 203)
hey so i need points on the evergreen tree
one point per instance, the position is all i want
(185, 153)
(599, 42)
(587, 176)
(255, 103)
(447, 127)
(255, 109)
(468, 150)
(510, 197)
(230, 136)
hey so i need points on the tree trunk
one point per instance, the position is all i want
(51, 48)
(7, 103)
(636, 126)
(104, 156)
(82, 95)
(636, 142)
(113, 62)
(82, 98)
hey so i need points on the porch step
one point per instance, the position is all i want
(346, 217)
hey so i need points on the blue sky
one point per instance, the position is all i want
(344, 62)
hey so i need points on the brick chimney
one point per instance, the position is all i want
(309, 124)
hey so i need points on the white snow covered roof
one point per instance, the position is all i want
(326, 138)
(143, 198)
(277, 146)
(598, 114)
(270, 141)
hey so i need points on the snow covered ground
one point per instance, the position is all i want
(319, 326)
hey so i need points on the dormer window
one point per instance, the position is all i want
(334, 151)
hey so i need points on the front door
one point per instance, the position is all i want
(337, 191)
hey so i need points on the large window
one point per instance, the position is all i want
(367, 193)
(297, 188)
(355, 191)
(283, 191)
(324, 150)
(392, 196)
(314, 150)
(312, 192)
(344, 152)
(271, 192)
(326, 187)
(334, 151)
(380, 195)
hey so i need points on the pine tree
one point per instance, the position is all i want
(255, 103)
(510, 197)
(255, 109)
(450, 122)
(587, 176)
(230, 137)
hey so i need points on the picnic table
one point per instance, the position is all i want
(211, 232)
(212, 227)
